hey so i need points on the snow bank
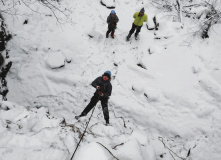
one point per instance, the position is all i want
(55, 60)
(130, 150)
(96, 35)
(93, 151)
(32, 134)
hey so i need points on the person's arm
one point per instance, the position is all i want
(145, 20)
(108, 19)
(117, 19)
(95, 83)
(134, 15)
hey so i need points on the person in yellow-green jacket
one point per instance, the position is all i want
(139, 18)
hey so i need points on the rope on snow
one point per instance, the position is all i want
(84, 130)
(82, 134)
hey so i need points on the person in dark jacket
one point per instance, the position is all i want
(112, 20)
(103, 92)
(139, 18)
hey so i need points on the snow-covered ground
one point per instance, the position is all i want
(167, 109)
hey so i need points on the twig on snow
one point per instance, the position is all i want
(108, 151)
(161, 139)
(117, 145)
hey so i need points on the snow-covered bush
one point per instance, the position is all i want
(48, 8)
(204, 13)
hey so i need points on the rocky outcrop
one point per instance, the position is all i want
(4, 38)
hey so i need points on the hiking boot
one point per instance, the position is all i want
(81, 115)
(136, 36)
(107, 34)
(112, 34)
(77, 117)
(107, 123)
(128, 36)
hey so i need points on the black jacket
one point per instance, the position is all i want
(106, 87)
(112, 21)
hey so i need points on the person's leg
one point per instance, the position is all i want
(104, 105)
(131, 31)
(108, 31)
(92, 103)
(112, 33)
(138, 31)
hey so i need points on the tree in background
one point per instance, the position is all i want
(203, 13)
(49, 8)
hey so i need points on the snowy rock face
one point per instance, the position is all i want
(108, 3)
(55, 60)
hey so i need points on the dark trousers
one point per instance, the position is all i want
(94, 101)
(135, 27)
(110, 30)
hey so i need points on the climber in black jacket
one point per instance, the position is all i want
(103, 92)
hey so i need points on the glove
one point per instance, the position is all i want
(98, 87)
(113, 25)
(101, 94)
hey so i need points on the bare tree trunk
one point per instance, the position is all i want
(179, 9)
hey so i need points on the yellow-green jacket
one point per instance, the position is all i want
(138, 20)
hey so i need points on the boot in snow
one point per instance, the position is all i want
(128, 36)
(112, 34)
(107, 123)
(136, 36)
(107, 34)
(81, 115)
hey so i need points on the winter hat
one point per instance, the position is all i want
(113, 12)
(108, 74)
(142, 10)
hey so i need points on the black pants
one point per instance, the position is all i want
(110, 30)
(135, 27)
(94, 101)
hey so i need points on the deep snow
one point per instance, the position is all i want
(176, 95)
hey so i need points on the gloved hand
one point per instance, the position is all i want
(98, 87)
(101, 94)
(113, 25)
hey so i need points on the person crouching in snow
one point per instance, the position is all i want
(139, 18)
(112, 20)
(103, 92)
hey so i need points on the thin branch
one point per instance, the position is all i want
(161, 139)
(117, 145)
(108, 151)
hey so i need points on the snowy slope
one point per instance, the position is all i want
(173, 100)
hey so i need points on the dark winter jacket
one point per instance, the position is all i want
(112, 21)
(106, 87)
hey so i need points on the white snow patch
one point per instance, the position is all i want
(55, 60)
(131, 150)
(93, 151)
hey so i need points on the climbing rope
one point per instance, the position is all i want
(84, 130)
